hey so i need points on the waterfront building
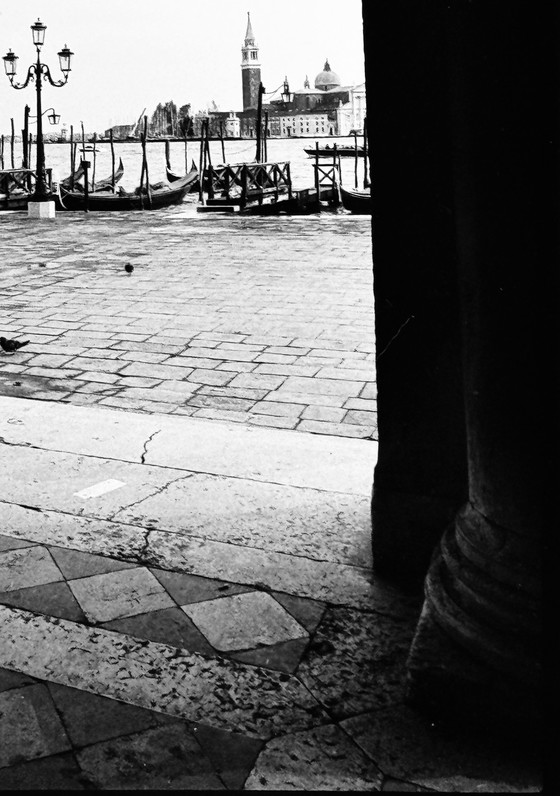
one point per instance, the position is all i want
(120, 131)
(329, 108)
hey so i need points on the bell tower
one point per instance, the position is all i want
(250, 68)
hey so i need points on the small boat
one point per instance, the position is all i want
(344, 150)
(100, 185)
(357, 200)
(163, 194)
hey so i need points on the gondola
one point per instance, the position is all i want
(343, 151)
(162, 194)
(100, 185)
(357, 200)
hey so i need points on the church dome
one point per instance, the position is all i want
(327, 79)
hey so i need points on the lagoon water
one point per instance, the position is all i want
(57, 157)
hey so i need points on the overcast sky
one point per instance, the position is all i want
(132, 54)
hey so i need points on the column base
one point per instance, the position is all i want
(476, 653)
(41, 209)
(448, 684)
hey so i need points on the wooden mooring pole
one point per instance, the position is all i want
(201, 164)
(26, 155)
(24, 138)
(222, 142)
(112, 143)
(208, 161)
(366, 159)
(72, 158)
(265, 138)
(86, 165)
(317, 170)
(2, 151)
(258, 157)
(167, 160)
(94, 161)
(355, 160)
(12, 139)
(145, 163)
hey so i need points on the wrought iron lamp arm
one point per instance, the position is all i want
(47, 73)
(48, 109)
(31, 74)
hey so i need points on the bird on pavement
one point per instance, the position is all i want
(129, 268)
(12, 345)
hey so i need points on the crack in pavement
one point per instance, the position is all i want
(145, 451)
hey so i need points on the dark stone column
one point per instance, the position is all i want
(421, 474)
(477, 650)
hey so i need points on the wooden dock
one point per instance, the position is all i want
(266, 189)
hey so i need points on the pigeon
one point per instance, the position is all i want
(129, 268)
(12, 345)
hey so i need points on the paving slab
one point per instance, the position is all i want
(331, 463)
(30, 726)
(319, 580)
(226, 694)
(325, 526)
(319, 759)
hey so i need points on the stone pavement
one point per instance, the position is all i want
(262, 321)
(186, 592)
(190, 604)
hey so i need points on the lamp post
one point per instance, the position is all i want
(287, 99)
(286, 95)
(39, 72)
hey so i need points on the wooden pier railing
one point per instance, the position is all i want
(247, 182)
(19, 181)
(327, 176)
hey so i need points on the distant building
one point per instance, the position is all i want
(329, 108)
(120, 131)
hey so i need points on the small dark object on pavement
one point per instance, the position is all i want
(129, 268)
(12, 345)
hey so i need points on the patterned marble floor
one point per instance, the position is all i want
(143, 649)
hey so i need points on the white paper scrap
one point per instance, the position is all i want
(100, 488)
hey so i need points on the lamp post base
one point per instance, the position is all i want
(41, 209)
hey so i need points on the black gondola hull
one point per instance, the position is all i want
(357, 201)
(171, 194)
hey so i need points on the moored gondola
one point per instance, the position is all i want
(100, 185)
(162, 194)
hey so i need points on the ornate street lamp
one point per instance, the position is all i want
(38, 72)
